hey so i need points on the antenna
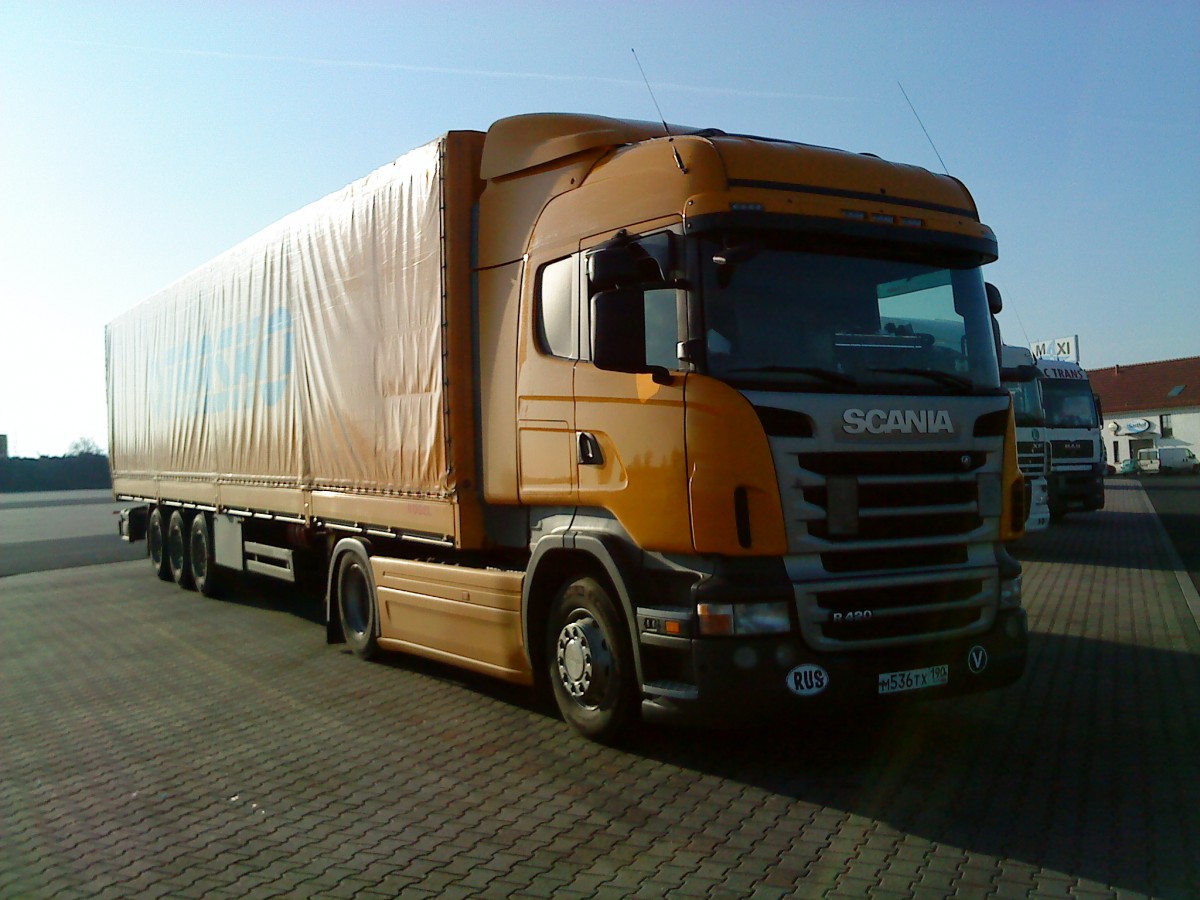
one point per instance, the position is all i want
(923, 128)
(654, 100)
(661, 117)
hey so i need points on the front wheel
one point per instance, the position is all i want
(356, 603)
(590, 664)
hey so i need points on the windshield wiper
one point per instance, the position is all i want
(825, 374)
(947, 378)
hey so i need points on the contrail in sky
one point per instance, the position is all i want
(446, 70)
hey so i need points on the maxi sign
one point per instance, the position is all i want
(1063, 348)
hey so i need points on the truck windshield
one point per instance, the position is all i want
(1027, 403)
(779, 317)
(1069, 403)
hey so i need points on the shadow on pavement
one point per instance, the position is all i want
(1101, 538)
(1097, 775)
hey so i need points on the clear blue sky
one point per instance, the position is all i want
(138, 140)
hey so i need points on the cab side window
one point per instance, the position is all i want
(558, 310)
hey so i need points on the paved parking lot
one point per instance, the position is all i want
(155, 743)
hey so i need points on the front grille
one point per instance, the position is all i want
(899, 527)
(934, 462)
(938, 493)
(1073, 449)
(1031, 457)
(898, 597)
(900, 558)
(884, 497)
(895, 531)
(902, 626)
(891, 612)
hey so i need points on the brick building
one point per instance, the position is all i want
(1154, 404)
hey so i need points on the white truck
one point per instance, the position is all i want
(1020, 376)
(1073, 419)
(1166, 461)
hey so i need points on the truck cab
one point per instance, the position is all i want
(1073, 421)
(1020, 377)
(757, 390)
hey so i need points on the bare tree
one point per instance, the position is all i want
(83, 446)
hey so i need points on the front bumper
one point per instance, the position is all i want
(1078, 490)
(743, 679)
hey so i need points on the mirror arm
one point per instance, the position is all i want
(661, 375)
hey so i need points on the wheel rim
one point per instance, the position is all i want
(356, 600)
(584, 661)
(155, 538)
(199, 555)
(175, 548)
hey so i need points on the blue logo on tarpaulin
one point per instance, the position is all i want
(242, 365)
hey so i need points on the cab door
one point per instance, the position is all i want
(629, 441)
(546, 455)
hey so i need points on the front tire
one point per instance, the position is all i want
(179, 550)
(589, 661)
(356, 604)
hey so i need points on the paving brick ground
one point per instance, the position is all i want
(157, 744)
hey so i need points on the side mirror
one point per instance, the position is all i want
(995, 303)
(1099, 408)
(1019, 374)
(619, 334)
(612, 267)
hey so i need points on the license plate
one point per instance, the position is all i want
(913, 679)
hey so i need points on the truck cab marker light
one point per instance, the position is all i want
(883, 219)
(856, 214)
(746, 207)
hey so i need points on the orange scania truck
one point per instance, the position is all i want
(685, 425)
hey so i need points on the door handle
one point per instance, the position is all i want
(589, 449)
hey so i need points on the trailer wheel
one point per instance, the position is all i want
(178, 550)
(356, 603)
(156, 544)
(590, 664)
(207, 576)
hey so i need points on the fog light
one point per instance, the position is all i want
(1010, 593)
(745, 658)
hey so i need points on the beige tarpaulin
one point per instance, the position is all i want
(310, 355)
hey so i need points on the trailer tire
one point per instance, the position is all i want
(589, 661)
(357, 605)
(156, 544)
(178, 550)
(207, 576)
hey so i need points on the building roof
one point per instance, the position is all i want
(1170, 384)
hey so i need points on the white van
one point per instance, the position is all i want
(1168, 460)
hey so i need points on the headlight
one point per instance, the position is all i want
(744, 618)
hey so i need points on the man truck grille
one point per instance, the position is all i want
(1083, 449)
